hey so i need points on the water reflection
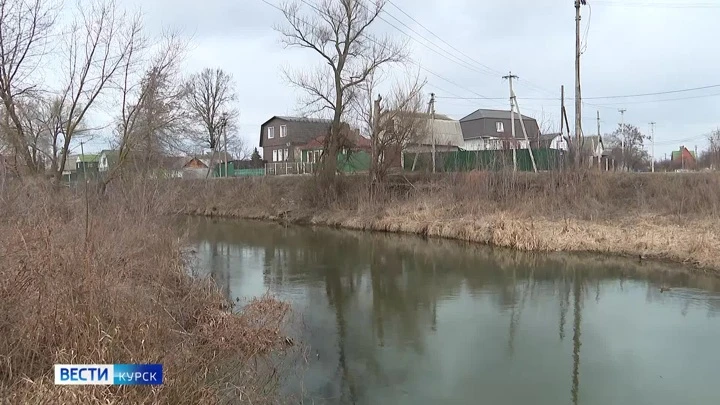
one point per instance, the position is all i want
(402, 320)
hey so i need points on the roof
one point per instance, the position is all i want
(302, 119)
(549, 137)
(445, 132)
(676, 153)
(88, 158)
(491, 114)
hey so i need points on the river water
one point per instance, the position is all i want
(391, 319)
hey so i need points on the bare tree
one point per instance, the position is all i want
(392, 124)
(210, 95)
(151, 112)
(338, 31)
(25, 26)
(101, 41)
(710, 158)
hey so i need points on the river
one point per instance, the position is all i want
(391, 319)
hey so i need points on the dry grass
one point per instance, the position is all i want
(667, 216)
(121, 295)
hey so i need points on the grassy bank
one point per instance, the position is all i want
(672, 217)
(88, 280)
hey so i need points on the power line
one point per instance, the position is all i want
(442, 40)
(657, 5)
(371, 39)
(494, 72)
(662, 100)
(637, 95)
(656, 93)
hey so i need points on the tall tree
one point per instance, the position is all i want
(338, 32)
(150, 108)
(102, 40)
(25, 26)
(210, 95)
(632, 151)
(710, 158)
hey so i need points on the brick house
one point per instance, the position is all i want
(683, 159)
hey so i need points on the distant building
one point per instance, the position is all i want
(550, 141)
(445, 132)
(87, 165)
(684, 159)
(492, 130)
(107, 160)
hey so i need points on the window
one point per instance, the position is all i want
(283, 131)
(271, 132)
(286, 155)
(275, 155)
(499, 127)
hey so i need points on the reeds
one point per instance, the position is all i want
(122, 294)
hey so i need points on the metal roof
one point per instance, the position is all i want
(492, 114)
(446, 132)
(305, 119)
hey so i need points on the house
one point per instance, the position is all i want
(70, 168)
(594, 150)
(443, 131)
(550, 141)
(281, 137)
(108, 159)
(683, 159)
(492, 129)
(194, 168)
(88, 165)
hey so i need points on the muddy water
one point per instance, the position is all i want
(400, 320)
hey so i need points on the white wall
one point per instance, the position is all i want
(491, 144)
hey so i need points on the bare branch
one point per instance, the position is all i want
(210, 95)
(338, 31)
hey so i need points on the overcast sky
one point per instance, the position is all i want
(633, 47)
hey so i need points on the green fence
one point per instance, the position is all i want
(355, 162)
(462, 161)
(233, 172)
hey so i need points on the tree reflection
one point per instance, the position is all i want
(385, 293)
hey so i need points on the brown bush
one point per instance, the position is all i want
(102, 280)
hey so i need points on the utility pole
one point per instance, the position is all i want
(562, 109)
(599, 141)
(578, 96)
(652, 147)
(622, 137)
(224, 129)
(432, 127)
(82, 153)
(373, 145)
(510, 78)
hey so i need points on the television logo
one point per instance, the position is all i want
(108, 374)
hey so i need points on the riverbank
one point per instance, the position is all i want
(86, 280)
(670, 217)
